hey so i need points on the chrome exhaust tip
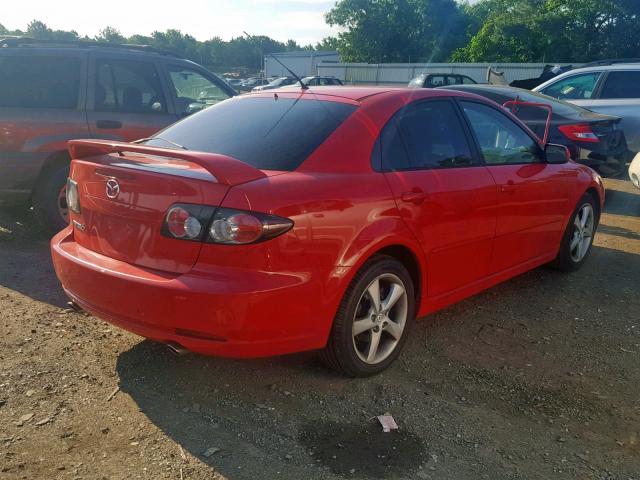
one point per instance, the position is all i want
(74, 306)
(177, 349)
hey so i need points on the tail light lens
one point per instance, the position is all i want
(182, 224)
(225, 225)
(73, 196)
(579, 133)
(237, 227)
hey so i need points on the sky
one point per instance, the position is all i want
(301, 20)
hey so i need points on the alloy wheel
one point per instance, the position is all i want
(380, 318)
(581, 237)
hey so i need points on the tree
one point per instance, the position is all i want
(39, 30)
(110, 35)
(397, 30)
(552, 31)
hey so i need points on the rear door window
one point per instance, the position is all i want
(39, 82)
(193, 90)
(622, 85)
(272, 133)
(423, 136)
(128, 86)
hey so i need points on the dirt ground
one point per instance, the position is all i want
(538, 378)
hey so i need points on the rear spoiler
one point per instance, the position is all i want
(227, 170)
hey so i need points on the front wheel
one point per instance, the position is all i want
(373, 320)
(578, 237)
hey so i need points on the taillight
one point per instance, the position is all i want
(579, 133)
(222, 225)
(73, 196)
(181, 224)
(237, 227)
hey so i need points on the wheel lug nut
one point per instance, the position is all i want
(376, 329)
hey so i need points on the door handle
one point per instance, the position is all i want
(416, 195)
(110, 124)
(508, 187)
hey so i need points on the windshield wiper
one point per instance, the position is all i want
(163, 139)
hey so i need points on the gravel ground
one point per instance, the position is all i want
(537, 378)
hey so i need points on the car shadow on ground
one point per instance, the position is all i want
(289, 417)
(618, 202)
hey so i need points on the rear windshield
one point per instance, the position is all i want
(269, 133)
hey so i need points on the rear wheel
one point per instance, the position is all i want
(373, 320)
(578, 237)
(49, 199)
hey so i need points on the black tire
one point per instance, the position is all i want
(45, 198)
(565, 261)
(340, 352)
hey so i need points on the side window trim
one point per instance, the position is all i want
(476, 156)
(597, 90)
(476, 142)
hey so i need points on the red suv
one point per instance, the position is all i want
(51, 92)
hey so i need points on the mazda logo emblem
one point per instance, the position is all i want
(112, 188)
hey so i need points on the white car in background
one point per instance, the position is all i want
(610, 89)
(634, 171)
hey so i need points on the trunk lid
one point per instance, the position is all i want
(126, 189)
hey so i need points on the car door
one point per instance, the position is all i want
(533, 196)
(445, 196)
(127, 98)
(42, 99)
(191, 89)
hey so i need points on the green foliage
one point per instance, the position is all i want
(552, 31)
(215, 54)
(397, 30)
(378, 31)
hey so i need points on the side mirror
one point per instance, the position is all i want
(556, 154)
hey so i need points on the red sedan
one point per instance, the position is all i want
(326, 218)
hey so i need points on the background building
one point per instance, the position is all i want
(303, 63)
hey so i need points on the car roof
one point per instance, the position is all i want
(576, 71)
(600, 68)
(357, 94)
(30, 44)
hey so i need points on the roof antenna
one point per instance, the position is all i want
(302, 85)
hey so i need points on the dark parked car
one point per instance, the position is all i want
(592, 138)
(316, 81)
(52, 92)
(434, 80)
(549, 72)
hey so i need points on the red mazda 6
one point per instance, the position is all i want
(326, 218)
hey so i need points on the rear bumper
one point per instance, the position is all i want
(227, 312)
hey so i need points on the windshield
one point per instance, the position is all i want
(270, 133)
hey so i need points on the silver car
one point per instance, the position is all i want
(608, 89)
